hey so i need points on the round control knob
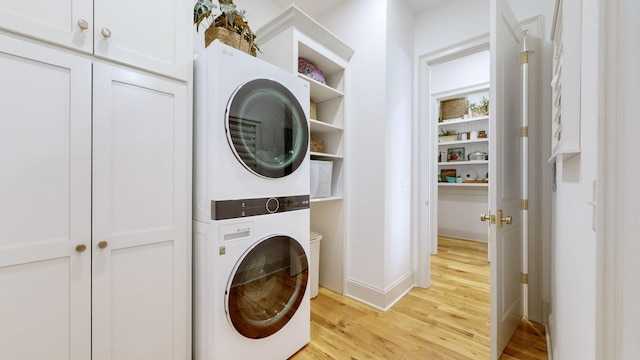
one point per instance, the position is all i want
(273, 205)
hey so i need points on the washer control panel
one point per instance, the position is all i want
(233, 209)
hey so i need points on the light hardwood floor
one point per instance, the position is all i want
(450, 320)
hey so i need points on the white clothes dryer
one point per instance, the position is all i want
(251, 129)
(251, 285)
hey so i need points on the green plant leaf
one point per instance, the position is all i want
(201, 10)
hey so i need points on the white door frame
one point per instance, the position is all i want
(425, 214)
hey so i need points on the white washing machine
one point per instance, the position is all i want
(251, 285)
(251, 129)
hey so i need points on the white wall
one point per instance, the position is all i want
(399, 98)
(574, 276)
(379, 146)
(366, 162)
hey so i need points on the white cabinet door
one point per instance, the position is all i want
(45, 203)
(150, 34)
(141, 193)
(63, 22)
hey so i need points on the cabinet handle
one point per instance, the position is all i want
(81, 248)
(103, 244)
(83, 24)
(105, 32)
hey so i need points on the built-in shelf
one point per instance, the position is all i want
(462, 121)
(464, 141)
(452, 163)
(326, 155)
(322, 127)
(326, 199)
(319, 91)
(463, 185)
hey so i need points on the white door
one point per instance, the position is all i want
(63, 22)
(141, 216)
(45, 203)
(505, 243)
(153, 35)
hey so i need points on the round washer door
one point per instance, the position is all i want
(267, 128)
(267, 287)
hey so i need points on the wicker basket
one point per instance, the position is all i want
(317, 146)
(453, 108)
(227, 37)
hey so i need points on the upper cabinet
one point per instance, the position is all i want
(116, 30)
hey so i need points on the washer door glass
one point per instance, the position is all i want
(267, 128)
(267, 287)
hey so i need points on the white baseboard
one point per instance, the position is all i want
(463, 234)
(381, 299)
(551, 351)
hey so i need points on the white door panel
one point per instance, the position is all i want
(45, 212)
(140, 158)
(54, 21)
(159, 42)
(505, 244)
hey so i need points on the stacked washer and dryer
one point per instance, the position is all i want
(251, 208)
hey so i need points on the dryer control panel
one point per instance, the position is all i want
(233, 209)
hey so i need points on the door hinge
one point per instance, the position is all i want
(524, 278)
(525, 204)
(524, 56)
(524, 131)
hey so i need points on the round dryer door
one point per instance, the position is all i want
(267, 287)
(267, 128)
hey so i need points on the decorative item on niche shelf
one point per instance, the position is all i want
(307, 68)
(455, 154)
(317, 146)
(230, 26)
(313, 110)
(447, 135)
(452, 109)
(447, 173)
(479, 109)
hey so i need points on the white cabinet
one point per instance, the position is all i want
(94, 218)
(148, 34)
(140, 207)
(45, 212)
(291, 35)
(471, 135)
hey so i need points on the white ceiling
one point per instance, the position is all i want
(316, 8)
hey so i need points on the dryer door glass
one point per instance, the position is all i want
(267, 287)
(267, 128)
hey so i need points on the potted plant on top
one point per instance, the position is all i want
(480, 109)
(230, 26)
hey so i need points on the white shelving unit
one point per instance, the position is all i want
(290, 36)
(465, 125)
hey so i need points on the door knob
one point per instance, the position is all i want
(503, 219)
(103, 244)
(81, 248)
(105, 32)
(490, 218)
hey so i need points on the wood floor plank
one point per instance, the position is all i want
(450, 320)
